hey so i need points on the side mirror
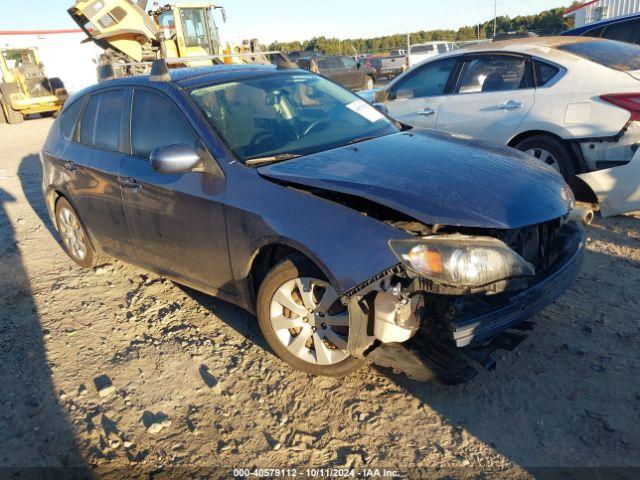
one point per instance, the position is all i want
(179, 158)
(381, 107)
(381, 96)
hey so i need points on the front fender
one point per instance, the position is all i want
(348, 246)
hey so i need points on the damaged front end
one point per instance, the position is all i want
(457, 294)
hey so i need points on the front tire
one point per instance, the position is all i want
(553, 152)
(302, 320)
(368, 82)
(73, 235)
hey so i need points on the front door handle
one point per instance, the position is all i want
(510, 105)
(70, 166)
(129, 182)
(426, 112)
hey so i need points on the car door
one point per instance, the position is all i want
(415, 98)
(327, 68)
(90, 163)
(354, 76)
(493, 95)
(176, 221)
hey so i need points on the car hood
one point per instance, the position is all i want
(436, 178)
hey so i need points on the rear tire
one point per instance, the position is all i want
(324, 358)
(73, 235)
(552, 151)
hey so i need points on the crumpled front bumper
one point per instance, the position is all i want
(549, 286)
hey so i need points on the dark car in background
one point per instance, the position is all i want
(343, 70)
(352, 238)
(623, 29)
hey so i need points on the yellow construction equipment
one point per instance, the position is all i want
(24, 87)
(132, 37)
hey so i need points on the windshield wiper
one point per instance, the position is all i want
(274, 159)
(362, 139)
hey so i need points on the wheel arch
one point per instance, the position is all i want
(52, 197)
(271, 252)
(532, 133)
(574, 148)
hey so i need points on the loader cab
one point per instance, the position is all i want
(189, 29)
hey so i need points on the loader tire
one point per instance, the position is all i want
(9, 113)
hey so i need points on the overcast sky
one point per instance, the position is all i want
(286, 20)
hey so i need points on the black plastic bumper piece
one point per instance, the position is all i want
(480, 328)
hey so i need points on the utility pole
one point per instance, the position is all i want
(495, 17)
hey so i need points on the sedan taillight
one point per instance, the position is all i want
(628, 101)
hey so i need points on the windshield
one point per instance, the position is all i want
(616, 55)
(290, 114)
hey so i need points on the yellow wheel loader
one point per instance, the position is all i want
(132, 37)
(24, 87)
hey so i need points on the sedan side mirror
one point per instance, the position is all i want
(179, 158)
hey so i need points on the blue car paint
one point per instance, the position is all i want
(437, 178)
(433, 177)
(580, 31)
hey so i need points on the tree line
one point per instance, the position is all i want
(548, 22)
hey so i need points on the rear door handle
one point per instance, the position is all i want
(510, 105)
(426, 112)
(129, 182)
(70, 166)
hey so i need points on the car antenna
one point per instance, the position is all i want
(160, 71)
(106, 72)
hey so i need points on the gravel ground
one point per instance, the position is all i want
(119, 371)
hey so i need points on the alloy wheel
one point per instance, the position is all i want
(544, 155)
(309, 322)
(72, 233)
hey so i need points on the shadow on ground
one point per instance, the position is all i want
(36, 438)
(30, 174)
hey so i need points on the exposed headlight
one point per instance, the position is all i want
(461, 261)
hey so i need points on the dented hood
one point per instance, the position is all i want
(436, 178)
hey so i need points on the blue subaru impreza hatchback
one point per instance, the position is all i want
(352, 237)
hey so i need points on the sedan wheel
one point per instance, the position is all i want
(73, 235)
(303, 320)
(544, 155)
(553, 152)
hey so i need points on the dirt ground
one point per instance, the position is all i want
(194, 385)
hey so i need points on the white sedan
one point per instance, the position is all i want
(573, 102)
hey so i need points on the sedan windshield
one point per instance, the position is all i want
(280, 116)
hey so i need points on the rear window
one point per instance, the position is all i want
(544, 73)
(101, 120)
(69, 118)
(616, 55)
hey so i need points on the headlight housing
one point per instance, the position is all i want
(461, 261)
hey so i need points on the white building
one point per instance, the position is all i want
(596, 10)
(61, 52)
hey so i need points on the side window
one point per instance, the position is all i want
(349, 63)
(102, 120)
(428, 81)
(323, 63)
(493, 74)
(335, 62)
(69, 118)
(544, 73)
(623, 32)
(157, 122)
(594, 32)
